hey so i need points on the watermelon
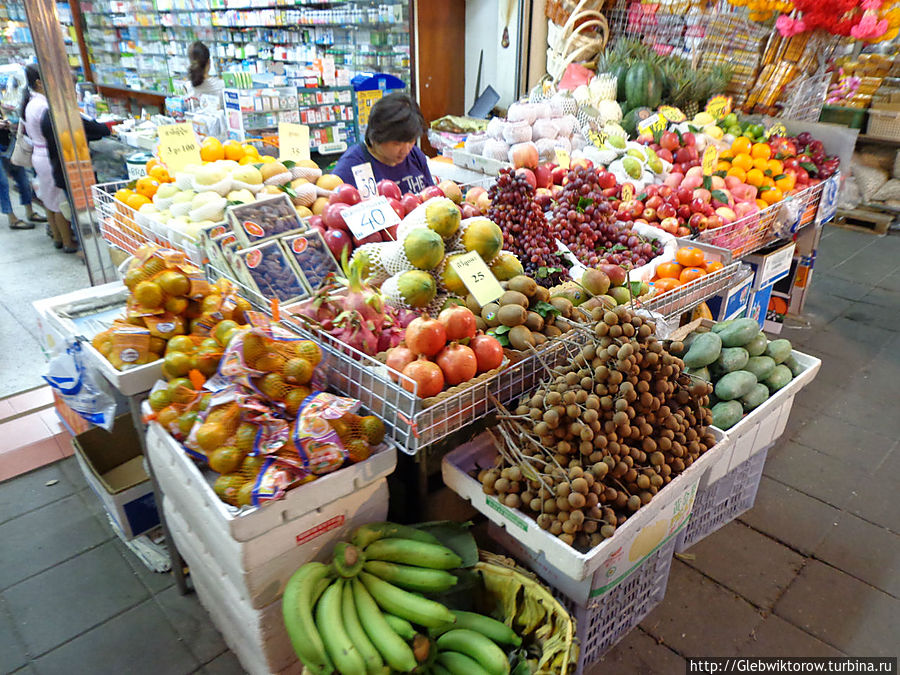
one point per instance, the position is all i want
(620, 71)
(642, 87)
(633, 117)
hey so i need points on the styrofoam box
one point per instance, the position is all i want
(601, 568)
(603, 621)
(763, 426)
(260, 568)
(171, 463)
(256, 636)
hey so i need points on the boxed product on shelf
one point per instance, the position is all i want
(266, 270)
(771, 264)
(582, 576)
(732, 303)
(263, 219)
(260, 548)
(112, 464)
(311, 257)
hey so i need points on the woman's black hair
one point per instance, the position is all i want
(199, 57)
(32, 77)
(396, 117)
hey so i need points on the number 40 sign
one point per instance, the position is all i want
(370, 216)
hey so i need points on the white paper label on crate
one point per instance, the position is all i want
(370, 216)
(477, 277)
(178, 146)
(365, 180)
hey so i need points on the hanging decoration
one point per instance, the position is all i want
(866, 20)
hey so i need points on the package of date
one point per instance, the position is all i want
(264, 219)
(311, 256)
(265, 269)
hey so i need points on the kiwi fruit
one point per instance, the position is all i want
(550, 330)
(489, 314)
(535, 321)
(541, 294)
(514, 298)
(512, 315)
(524, 285)
(539, 338)
(480, 323)
(520, 337)
(473, 305)
(564, 305)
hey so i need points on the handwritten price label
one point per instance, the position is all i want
(672, 114)
(178, 146)
(369, 217)
(719, 106)
(653, 124)
(597, 138)
(475, 274)
(627, 192)
(365, 180)
(562, 158)
(777, 129)
(293, 141)
(710, 159)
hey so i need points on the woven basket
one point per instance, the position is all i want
(573, 41)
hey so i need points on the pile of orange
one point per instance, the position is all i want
(690, 263)
(212, 150)
(158, 171)
(752, 163)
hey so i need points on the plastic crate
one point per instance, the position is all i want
(855, 118)
(605, 619)
(884, 124)
(725, 500)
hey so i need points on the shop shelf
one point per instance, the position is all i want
(582, 576)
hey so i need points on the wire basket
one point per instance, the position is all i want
(807, 96)
(687, 296)
(127, 230)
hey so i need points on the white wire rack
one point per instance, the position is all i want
(687, 296)
(806, 97)
(126, 229)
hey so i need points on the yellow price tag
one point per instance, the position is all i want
(653, 124)
(178, 146)
(562, 158)
(477, 277)
(597, 139)
(719, 106)
(627, 192)
(293, 141)
(710, 159)
(777, 129)
(672, 114)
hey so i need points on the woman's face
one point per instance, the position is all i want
(393, 153)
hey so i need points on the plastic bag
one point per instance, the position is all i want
(79, 387)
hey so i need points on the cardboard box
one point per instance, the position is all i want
(771, 264)
(732, 303)
(113, 465)
(759, 304)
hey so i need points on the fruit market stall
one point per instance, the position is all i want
(581, 332)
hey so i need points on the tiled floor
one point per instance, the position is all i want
(31, 433)
(812, 570)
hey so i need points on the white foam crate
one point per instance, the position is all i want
(256, 636)
(604, 620)
(582, 575)
(723, 501)
(261, 567)
(171, 463)
(764, 425)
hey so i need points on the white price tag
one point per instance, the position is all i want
(477, 277)
(365, 180)
(370, 216)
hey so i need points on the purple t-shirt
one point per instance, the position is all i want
(412, 174)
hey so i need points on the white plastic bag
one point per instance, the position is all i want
(78, 387)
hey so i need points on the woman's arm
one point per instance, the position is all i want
(95, 130)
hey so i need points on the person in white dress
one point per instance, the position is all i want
(201, 83)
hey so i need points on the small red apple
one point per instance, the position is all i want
(409, 201)
(345, 194)
(529, 176)
(388, 188)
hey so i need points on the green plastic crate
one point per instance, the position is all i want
(855, 118)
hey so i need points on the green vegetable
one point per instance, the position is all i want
(734, 385)
(732, 358)
(779, 350)
(760, 366)
(739, 333)
(755, 398)
(794, 365)
(726, 414)
(757, 346)
(705, 349)
(780, 376)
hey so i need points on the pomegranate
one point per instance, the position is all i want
(459, 322)
(458, 363)
(427, 376)
(397, 359)
(488, 352)
(425, 336)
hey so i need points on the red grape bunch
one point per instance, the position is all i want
(525, 230)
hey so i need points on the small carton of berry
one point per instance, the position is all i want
(266, 270)
(261, 220)
(311, 257)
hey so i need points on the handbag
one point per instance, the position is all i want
(21, 154)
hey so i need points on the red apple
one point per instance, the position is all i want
(666, 211)
(388, 188)
(469, 210)
(581, 161)
(409, 201)
(684, 211)
(665, 155)
(605, 179)
(451, 190)
(609, 193)
(473, 192)
(397, 206)
(664, 191)
(316, 222)
(683, 155)
(649, 212)
(529, 176)
(345, 194)
(332, 217)
(713, 221)
(688, 139)
(390, 233)
(669, 141)
(669, 225)
(431, 192)
(337, 240)
(373, 238)
(697, 221)
(543, 175)
(559, 173)
(684, 195)
(654, 201)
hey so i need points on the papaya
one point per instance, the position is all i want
(705, 349)
(735, 385)
(739, 333)
(732, 358)
(726, 414)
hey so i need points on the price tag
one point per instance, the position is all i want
(597, 138)
(475, 274)
(777, 129)
(293, 141)
(562, 158)
(719, 106)
(653, 124)
(178, 146)
(710, 159)
(369, 217)
(365, 180)
(672, 114)
(627, 192)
